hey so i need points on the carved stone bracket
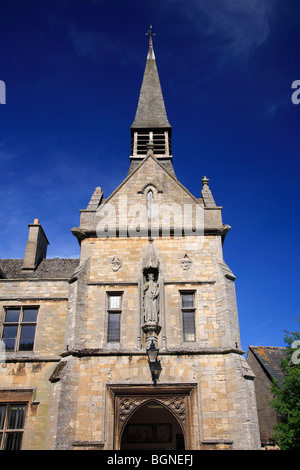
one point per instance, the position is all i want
(79, 233)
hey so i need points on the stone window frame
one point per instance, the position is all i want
(5, 430)
(185, 309)
(150, 202)
(20, 396)
(19, 325)
(113, 311)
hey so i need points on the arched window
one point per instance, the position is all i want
(150, 204)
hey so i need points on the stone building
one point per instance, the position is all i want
(135, 345)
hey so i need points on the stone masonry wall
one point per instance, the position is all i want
(89, 419)
(31, 370)
(212, 302)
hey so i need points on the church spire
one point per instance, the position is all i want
(151, 123)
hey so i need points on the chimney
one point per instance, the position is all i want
(36, 246)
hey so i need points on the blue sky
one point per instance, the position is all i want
(73, 71)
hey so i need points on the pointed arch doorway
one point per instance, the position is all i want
(153, 406)
(152, 427)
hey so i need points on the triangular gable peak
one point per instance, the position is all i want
(150, 198)
(154, 170)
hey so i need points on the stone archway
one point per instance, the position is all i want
(152, 426)
(128, 400)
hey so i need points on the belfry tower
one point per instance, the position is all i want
(152, 355)
(151, 125)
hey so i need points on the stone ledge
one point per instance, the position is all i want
(88, 444)
(167, 283)
(170, 352)
(217, 441)
(15, 357)
(82, 233)
(216, 444)
(34, 299)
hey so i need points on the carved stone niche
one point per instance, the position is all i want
(151, 293)
(150, 289)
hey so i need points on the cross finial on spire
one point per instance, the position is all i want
(150, 34)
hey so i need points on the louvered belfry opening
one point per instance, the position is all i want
(160, 138)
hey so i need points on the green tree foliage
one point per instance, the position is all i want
(286, 400)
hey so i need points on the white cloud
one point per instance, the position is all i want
(240, 26)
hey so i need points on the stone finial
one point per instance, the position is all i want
(151, 51)
(96, 199)
(207, 194)
(205, 181)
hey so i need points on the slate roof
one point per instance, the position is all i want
(270, 359)
(151, 111)
(54, 268)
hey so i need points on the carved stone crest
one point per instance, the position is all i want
(186, 262)
(116, 263)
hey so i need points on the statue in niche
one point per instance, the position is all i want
(150, 294)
